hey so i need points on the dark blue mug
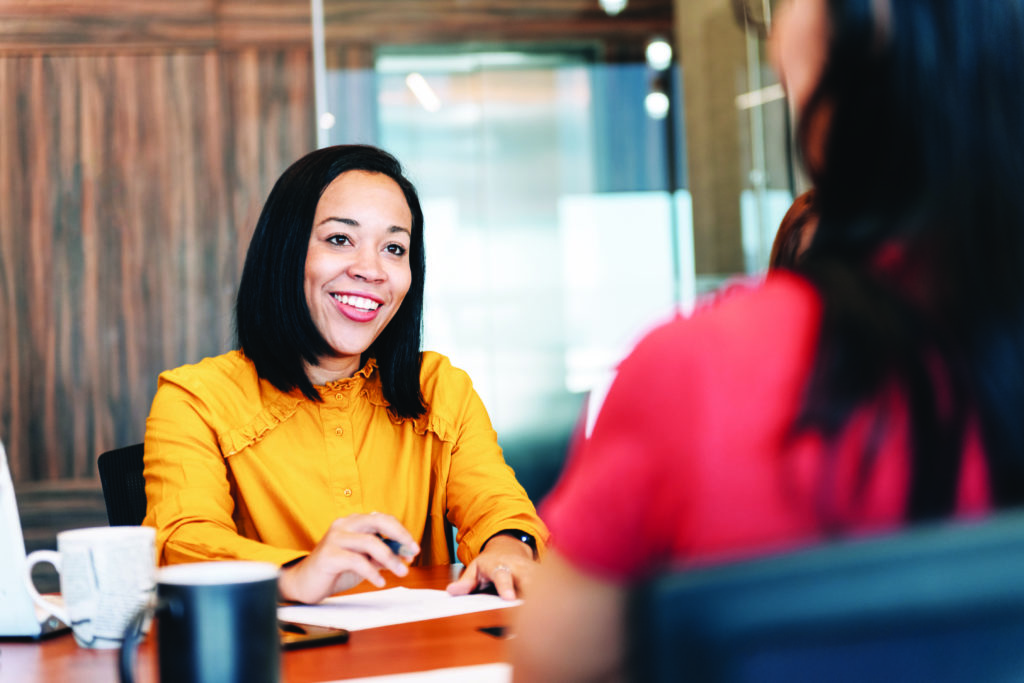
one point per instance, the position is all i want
(216, 623)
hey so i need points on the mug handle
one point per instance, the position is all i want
(133, 634)
(34, 558)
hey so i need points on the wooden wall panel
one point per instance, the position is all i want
(122, 24)
(148, 24)
(131, 186)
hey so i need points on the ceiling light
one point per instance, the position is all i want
(326, 120)
(755, 98)
(659, 54)
(428, 99)
(656, 104)
(613, 7)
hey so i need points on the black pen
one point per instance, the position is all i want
(396, 547)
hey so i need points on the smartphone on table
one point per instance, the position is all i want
(296, 636)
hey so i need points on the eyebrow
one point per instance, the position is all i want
(354, 223)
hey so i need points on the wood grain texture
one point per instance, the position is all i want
(122, 24)
(198, 24)
(131, 185)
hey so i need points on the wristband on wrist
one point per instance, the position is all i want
(520, 536)
(292, 563)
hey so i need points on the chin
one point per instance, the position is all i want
(348, 349)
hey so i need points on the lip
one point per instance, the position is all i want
(358, 315)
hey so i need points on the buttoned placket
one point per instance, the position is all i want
(341, 458)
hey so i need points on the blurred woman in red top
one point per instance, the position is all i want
(879, 383)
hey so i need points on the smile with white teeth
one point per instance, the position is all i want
(360, 302)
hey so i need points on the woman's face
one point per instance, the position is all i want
(357, 266)
(798, 47)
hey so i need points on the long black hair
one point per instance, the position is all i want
(914, 139)
(273, 323)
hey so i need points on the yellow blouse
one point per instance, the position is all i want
(236, 469)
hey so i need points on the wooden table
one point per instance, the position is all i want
(417, 646)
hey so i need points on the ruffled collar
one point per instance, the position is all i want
(355, 381)
(366, 382)
(279, 407)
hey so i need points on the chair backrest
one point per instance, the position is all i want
(124, 486)
(937, 603)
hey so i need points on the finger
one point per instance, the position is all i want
(333, 570)
(388, 526)
(524, 578)
(465, 583)
(362, 567)
(501, 577)
(375, 550)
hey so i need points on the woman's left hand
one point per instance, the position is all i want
(505, 563)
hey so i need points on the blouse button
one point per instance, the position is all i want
(339, 431)
(338, 396)
(347, 492)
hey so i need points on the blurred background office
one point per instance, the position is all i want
(597, 164)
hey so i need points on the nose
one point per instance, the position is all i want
(366, 265)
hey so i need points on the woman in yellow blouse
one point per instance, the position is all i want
(328, 428)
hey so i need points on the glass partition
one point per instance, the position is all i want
(554, 178)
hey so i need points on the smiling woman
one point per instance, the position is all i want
(328, 432)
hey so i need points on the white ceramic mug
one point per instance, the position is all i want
(106, 575)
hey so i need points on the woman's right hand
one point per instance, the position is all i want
(349, 552)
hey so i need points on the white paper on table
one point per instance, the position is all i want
(392, 606)
(485, 673)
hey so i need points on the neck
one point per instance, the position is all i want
(331, 369)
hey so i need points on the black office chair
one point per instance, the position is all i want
(936, 604)
(124, 487)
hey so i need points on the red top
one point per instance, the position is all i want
(689, 460)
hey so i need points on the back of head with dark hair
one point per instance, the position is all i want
(273, 323)
(794, 231)
(922, 165)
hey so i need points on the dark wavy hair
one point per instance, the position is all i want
(791, 237)
(273, 324)
(919, 121)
